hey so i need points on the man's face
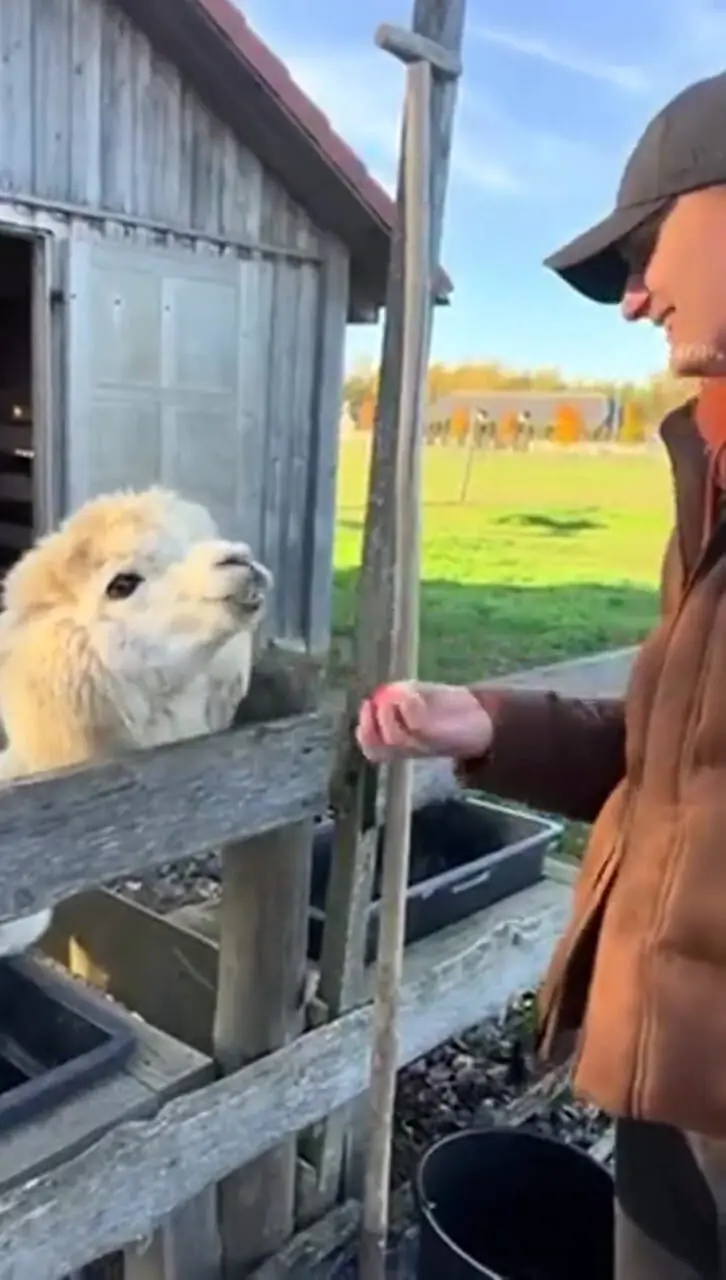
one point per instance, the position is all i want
(677, 280)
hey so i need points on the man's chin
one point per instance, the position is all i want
(693, 360)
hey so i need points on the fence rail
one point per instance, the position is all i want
(71, 830)
(120, 1189)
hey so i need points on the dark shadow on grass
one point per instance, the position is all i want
(475, 631)
(559, 526)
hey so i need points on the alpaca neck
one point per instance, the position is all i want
(56, 745)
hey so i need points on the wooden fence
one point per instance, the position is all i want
(64, 833)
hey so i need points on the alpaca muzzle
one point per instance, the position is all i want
(250, 593)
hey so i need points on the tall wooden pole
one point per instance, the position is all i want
(420, 261)
(355, 783)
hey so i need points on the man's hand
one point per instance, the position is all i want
(414, 719)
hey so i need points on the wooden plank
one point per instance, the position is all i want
(117, 111)
(51, 93)
(313, 1248)
(261, 987)
(280, 366)
(180, 1000)
(137, 1175)
(186, 1246)
(85, 152)
(300, 465)
(323, 461)
(16, 106)
(69, 830)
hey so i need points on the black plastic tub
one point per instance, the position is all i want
(507, 1204)
(56, 1039)
(466, 854)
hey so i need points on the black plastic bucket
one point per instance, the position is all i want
(512, 1205)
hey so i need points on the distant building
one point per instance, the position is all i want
(600, 412)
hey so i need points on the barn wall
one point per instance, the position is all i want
(101, 141)
(91, 115)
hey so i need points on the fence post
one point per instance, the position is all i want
(261, 992)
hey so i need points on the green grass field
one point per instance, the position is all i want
(554, 555)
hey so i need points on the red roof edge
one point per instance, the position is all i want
(309, 119)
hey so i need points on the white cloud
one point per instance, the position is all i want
(629, 79)
(361, 91)
(363, 96)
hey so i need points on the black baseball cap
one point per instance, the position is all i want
(682, 149)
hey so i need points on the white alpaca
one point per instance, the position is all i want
(129, 626)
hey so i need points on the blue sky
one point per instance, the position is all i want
(553, 96)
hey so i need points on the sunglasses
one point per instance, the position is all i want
(637, 249)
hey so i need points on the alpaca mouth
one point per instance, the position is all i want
(250, 603)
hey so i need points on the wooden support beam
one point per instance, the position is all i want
(310, 1253)
(185, 1247)
(261, 990)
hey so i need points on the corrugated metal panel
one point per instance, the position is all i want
(221, 377)
(154, 351)
(92, 115)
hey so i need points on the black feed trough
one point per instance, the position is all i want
(56, 1039)
(466, 854)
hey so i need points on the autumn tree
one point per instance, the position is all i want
(569, 427)
(459, 425)
(633, 426)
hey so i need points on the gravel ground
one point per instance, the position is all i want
(473, 1080)
(484, 1077)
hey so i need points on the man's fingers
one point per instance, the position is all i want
(399, 706)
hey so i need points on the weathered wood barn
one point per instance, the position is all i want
(183, 240)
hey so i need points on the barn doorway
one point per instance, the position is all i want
(17, 437)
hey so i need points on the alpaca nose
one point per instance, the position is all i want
(235, 560)
(239, 560)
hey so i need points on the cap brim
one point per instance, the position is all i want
(592, 264)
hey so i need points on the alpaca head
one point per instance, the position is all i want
(129, 626)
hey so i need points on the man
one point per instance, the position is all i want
(638, 983)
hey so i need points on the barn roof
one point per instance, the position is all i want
(249, 88)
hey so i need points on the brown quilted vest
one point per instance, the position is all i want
(638, 982)
(641, 971)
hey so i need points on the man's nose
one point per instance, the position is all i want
(635, 302)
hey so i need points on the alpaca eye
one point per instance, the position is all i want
(123, 586)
